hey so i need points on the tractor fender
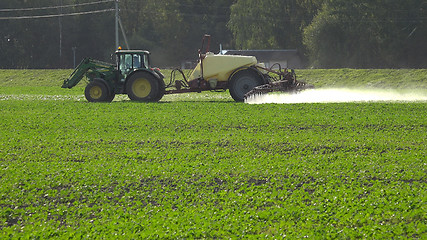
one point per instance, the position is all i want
(251, 69)
(157, 71)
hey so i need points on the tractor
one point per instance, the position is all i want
(133, 75)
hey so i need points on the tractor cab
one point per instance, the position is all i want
(131, 60)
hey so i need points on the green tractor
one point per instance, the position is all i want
(132, 75)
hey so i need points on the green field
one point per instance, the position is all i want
(203, 166)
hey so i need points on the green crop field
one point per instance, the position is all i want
(203, 166)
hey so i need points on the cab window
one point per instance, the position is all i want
(125, 62)
(137, 61)
(132, 61)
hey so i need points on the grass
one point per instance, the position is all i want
(202, 166)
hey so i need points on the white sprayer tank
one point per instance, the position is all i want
(219, 67)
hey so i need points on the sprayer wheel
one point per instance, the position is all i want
(243, 82)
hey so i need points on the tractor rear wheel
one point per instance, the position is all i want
(242, 82)
(162, 88)
(97, 91)
(143, 87)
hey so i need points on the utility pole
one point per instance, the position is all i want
(123, 33)
(117, 23)
(60, 33)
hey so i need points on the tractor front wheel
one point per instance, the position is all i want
(97, 91)
(143, 87)
(242, 82)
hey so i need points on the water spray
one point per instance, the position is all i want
(337, 95)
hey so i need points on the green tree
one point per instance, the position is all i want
(333, 33)
(25, 42)
(92, 34)
(172, 30)
(367, 34)
(270, 24)
(35, 42)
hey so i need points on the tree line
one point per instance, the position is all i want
(327, 33)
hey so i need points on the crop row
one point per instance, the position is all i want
(212, 170)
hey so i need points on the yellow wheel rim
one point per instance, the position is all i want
(141, 87)
(95, 92)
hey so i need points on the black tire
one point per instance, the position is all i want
(143, 87)
(111, 96)
(111, 93)
(162, 88)
(97, 91)
(242, 82)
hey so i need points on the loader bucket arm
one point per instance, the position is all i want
(84, 66)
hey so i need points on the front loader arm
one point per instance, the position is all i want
(84, 66)
(77, 74)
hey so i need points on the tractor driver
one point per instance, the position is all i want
(136, 61)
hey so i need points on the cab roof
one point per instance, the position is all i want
(133, 51)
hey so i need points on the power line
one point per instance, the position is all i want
(57, 15)
(64, 6)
